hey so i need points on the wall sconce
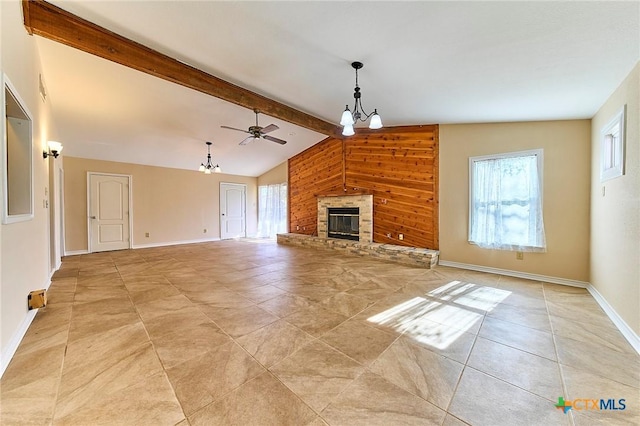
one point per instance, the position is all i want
(55, 148)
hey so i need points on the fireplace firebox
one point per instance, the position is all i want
(344, 223)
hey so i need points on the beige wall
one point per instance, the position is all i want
(615, 217)
(24, 264)
(172, 205)
(565, 196)
(279, 174)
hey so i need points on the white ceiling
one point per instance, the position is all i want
(425, 62)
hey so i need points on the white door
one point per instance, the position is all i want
(232, 210)
(108, 212)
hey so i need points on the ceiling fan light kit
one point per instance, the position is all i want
(349, 118)
(209, 168)
(257, 132)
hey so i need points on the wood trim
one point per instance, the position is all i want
(27, 16)
(388, 131)
(49, 21)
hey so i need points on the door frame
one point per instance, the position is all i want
(63, 250)
(244, 205)
(130, 191)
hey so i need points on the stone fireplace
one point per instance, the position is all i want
(345, 219)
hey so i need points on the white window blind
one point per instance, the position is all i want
(506, 201)
(272, 210)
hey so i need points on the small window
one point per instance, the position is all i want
(612, 147)
(17, 153)
(505, 201)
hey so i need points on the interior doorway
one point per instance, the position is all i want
(109, 218)
(233, 210)
(51, 204)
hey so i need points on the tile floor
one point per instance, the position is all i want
(252, 333)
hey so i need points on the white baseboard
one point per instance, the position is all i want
(12, 346)
(517, 274)
(174, 243)
(627, 332)
(617, 320)
(150, 245)
(75, 252)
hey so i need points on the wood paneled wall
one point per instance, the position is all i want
(315, 171)
(398, 165)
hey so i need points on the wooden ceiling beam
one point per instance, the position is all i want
(49, 21)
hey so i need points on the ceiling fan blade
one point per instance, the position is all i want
(248, 140)
(233, 128)
(269, 128)
(276, 140)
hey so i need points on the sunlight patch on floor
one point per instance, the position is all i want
(440, 317)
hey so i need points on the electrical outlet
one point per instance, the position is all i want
(388, 234)
(401, 237)
(297, 227)
(146, 234)
(519, 255)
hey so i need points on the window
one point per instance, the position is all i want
(272, 210)
(612, 148)
(17, 156)
(505, 201)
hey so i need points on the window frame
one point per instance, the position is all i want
(539, 153)
(7, 218)
(618, 148)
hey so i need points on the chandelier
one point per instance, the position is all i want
(350, 118)
(209, 167)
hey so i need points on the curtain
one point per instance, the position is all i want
(506, 204)
(272, 210)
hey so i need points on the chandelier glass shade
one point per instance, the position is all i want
(349, 118)
(208, 167)
(54, 149)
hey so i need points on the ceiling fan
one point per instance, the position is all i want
(258, 132)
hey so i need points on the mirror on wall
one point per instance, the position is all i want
(17, 158)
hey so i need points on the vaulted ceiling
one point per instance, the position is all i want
(425, 62)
